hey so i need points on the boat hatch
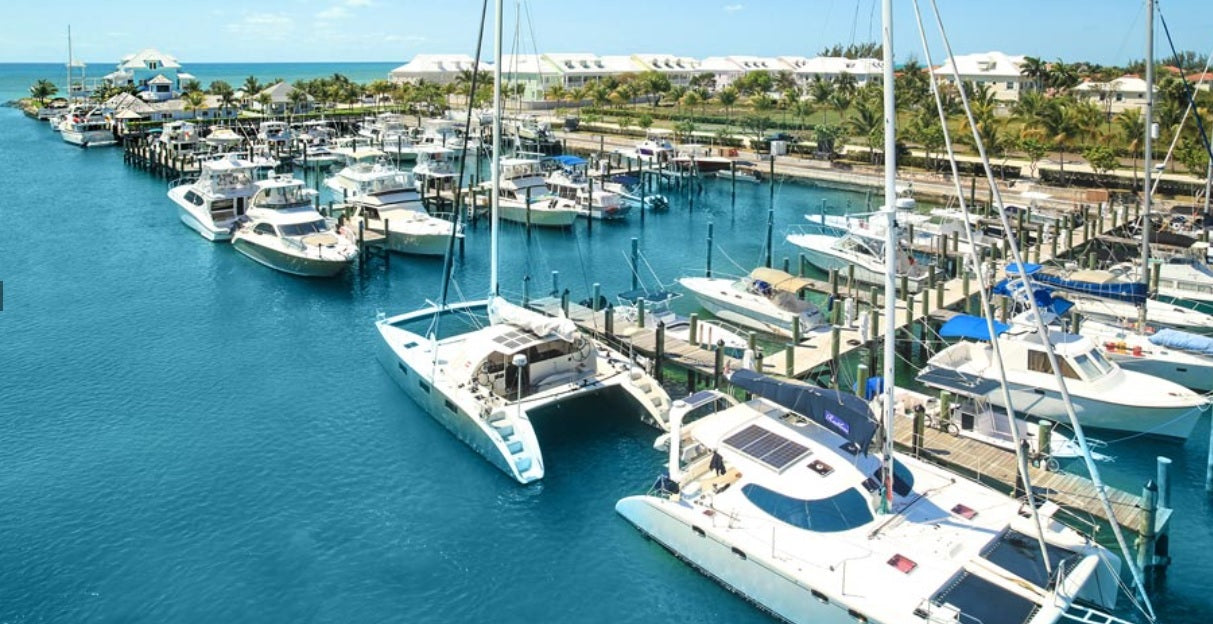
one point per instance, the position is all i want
(904, 564)
(1019, 554)
(964, 511)
(766, 447)
(979, 600)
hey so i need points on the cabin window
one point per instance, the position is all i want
(303, 229)
(1038, 362)
(424, 386)
(740, 553)
(1100, 361)
(1089, 368)
(822, 598)
(841, 512)
(193, 198)
(1067, 369)
(698, 531)
(264, 228)
(404, 369)
(451, 406)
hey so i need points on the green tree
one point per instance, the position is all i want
(266, 102)
(194, 100)
(756, 125)
(1102, 160)
(1132, 128)
(43, 90)
(654, 84)
(826, 136)
(762, 102)
(1035, 70)
(191, 86)
(821, 90)
(868, 124)
(298, 100)
(685, 130)
(1034, 149)
(645, 121)
(727, 97)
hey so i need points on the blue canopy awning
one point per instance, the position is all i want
(569, 161)
(965, 326)
(1013, 268)
(841, 412)
(1042, 294)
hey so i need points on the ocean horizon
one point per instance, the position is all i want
(16, 78)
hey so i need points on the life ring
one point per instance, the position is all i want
(582, 347)
(482, 375)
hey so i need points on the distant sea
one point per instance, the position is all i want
(16, 78)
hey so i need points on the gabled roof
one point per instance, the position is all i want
(437, 63)
(160, 80)
(833, 65)
(1129, 83)
(983, 64)
(128, 102)
(666, 62)
(526, 64)
(139, 59)
(280, 93)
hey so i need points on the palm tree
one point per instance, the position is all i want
(1034, 69)
(42, 90)
(298, 100)
(1057, 125)
(251, 86)
(840, 101)
(846, 83)
(1133, 131)
(191, 86)
(1061, 77)
(821, 90)
(868, 122)
(727, 97)
(193, 101)
(762, 102)
(266, 102)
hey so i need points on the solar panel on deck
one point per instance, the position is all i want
(766, 447)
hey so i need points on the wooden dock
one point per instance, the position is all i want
(1074, 494)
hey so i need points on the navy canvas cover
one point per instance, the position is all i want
(841, 412)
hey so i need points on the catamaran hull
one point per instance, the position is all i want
(670, 525)
(290, 263)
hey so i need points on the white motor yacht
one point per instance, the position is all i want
(766, 300)
(283, 231)
(1104, 394)
(570, 183)
(779, 500)
(223, 139)
(178, 138)
(434, 172)
(524, 197)
(367, 177)
(1184, 276)
(828, 251)
(394, 202)
(275, 132)
(709, 333)
(314, 139)
(89, 128)
(211, 204)
(656, 148)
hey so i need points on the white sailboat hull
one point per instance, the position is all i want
(1157, 312)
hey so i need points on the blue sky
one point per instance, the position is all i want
(1107, 31)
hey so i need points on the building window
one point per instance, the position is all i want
(1010, 85)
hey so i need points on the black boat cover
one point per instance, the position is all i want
(843, 413)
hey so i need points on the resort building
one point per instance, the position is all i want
(580, 69)
(727, 69)
(679, 69)
(436, 68)
(1200, 82)
(995, 70)
(280, 101)
(155, 75)
(1121, 94)
(830, 68)
(125, 107)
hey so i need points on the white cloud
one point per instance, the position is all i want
(265, 26)
(334, 12)
(733, 8)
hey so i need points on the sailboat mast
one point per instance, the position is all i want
(1148, 158)
(496, 159)
(890, 251)
(68, 89)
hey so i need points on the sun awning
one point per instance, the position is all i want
(965, 326)
(780, 280)
(843, 413)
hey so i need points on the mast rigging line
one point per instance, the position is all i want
(1017, 256)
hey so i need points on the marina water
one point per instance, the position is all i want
(189, 436)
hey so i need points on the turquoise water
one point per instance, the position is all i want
(188, 436)
(16, 78)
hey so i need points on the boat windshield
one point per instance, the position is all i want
(303, 229)
(844, 511)
(1092, 367)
